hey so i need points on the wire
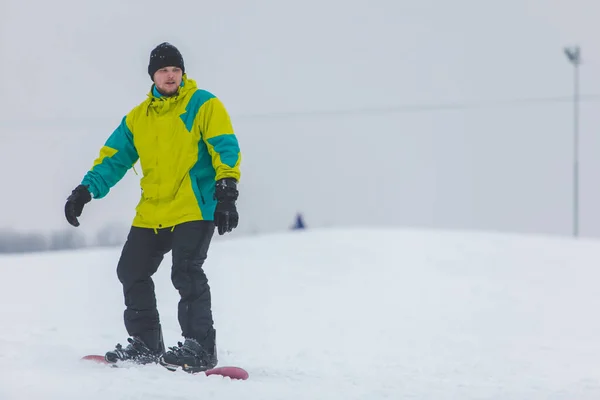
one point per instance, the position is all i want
(425, 107)
(409, 108)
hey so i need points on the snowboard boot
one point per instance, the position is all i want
(137, 351)
(192, 355)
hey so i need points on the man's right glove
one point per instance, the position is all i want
(75, 202)
(226, 215)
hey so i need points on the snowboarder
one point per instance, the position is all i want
(190, 161)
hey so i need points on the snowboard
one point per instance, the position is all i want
(225, 372)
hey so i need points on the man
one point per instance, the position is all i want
(190, 160)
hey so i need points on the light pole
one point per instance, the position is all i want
(574, 56)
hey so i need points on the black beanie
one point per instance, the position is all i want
(164, 55)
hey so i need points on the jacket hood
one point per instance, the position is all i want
(162, 104)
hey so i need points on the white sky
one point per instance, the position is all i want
(75, 68)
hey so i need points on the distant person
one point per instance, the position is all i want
(299, 223)
(190, 160)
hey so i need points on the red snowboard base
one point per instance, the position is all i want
(227, 372)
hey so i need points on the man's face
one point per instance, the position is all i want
(168, 80)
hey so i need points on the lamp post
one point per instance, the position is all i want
(574, 56)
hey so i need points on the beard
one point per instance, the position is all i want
(165, 91)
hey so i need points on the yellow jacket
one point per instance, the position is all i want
(184, 143)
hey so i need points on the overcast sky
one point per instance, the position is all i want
(72, 69)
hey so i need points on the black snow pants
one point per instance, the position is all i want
(140, 258)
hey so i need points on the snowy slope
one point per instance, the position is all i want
(338, 314)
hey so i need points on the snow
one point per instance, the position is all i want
(325, 314)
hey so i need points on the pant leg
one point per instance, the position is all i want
(191, 241)
(140, 258)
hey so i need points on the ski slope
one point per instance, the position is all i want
(328, 314)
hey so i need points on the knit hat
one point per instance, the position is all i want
(164, 55)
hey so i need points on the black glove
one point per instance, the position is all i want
(75, 202)
(226, 215)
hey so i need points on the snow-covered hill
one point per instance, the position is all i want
(330, 314)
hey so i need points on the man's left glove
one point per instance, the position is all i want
(226, 215)
(75, 202)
